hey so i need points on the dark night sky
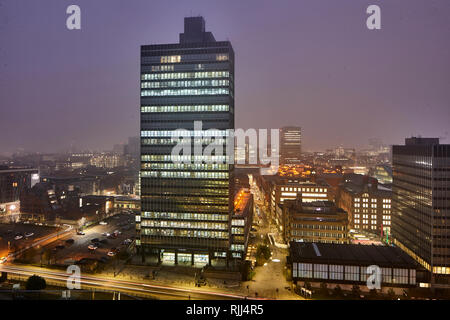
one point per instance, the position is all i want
(309, 63)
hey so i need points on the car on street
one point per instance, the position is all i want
(103, 223)
(18, 237)
(92, 247)
(95, 240)
(106, 234)
(3, 260)
(80, 233)
(127, 241)
(111, 254)
(29, 234)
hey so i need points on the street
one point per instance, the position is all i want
(270, 279)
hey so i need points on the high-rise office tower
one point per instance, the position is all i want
(186, 207)
(421, 204)
(290, 145)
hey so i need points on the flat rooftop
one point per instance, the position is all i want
(350, 254)
(315, 207)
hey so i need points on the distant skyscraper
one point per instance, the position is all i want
(133, 146)
(186, 207)
(421, 204)
(290, 145)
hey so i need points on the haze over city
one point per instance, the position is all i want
(312, 64)
(136, 164)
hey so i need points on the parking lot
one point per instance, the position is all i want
(122, 224)
(20, 235)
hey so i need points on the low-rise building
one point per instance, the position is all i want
(383, 173)
(286, 188)
(368, 204)
(14, 181)
(351, 264)
(127, 203)
(241, 223)
(318, 221)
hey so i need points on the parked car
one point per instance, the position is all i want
(127, 241)
(80, 233)
(92, 247)
(60, 247)
(70, 241)
(29, 234)
(95, 240)
(3, 260)
(111, 254)
(18, 237)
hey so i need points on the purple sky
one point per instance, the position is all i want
(308, 63)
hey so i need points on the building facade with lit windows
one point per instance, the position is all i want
(319, 221)
(13, 183)
(241, 223)
(288, 188)
(290, 145)
(368, 205)
(383, 173)
(421, 204)
(186, 208)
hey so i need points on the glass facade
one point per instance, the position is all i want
(351, 273)
(186, 207)
(421, 204)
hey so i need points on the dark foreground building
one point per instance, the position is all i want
(421, 205)
(14, 181)
(186, 207)
(346, 265)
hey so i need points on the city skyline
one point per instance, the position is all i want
(347, 68)
(255, 150)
